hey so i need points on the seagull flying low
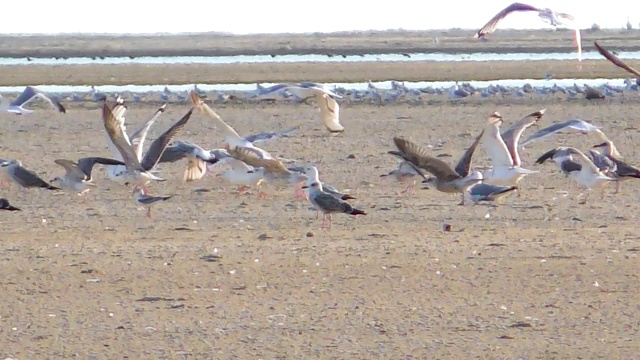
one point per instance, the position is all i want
(446, 179)
(547, 15)
(138, 172)
(29, 94)
(580, 125)
(78, 174)
(329, 108)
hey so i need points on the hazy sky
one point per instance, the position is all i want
(269, 16)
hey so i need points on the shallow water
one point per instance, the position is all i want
(351, 86)
(310, 58)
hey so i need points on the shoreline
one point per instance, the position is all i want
(452, 41)
(322, 72)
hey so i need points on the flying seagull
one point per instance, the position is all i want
(580, 125)
(446, 179)
(547, 15)
(138, 171)
(29, 94)
(77, 175)
(329, 108)
(197, 158)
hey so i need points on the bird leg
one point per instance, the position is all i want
(330, 220)
(617, 187)
(5, 183)
(148, 212)
(409, 189)
(324, 218)
(462, 201)
(242, 189)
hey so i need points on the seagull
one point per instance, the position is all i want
(547, 15)
(329, 108)
(4, 205)
(25, 177)
(580, 125)
(242, 174)
(561, 157)
(232, 138)
(137, 171)
(503, 151)
(488, 192)
(622, 170)
(615, 60)
(29, 94)
(313, 176)
(328, 203)
(197, 157)
(446, 179)
(405, 172)
(146, 200)
(78, 174)
(272, 170)
(136, 139)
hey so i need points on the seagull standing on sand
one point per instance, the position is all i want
(505, 159)
(488, 192)
(547, 15)
(146, 200)
(328, 204)
(25, 177)
(622, 171)
(78, 174)
(5, 205)
(446, 179)
(137, 172)
(29, 94)
(314, 177)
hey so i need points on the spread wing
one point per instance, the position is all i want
(159, 145)
(464, 165)
(119, 139)
(271, 135)
(490, 26)
(418, 156)
(270, 165)
(512, 135)
(72, 169)
(330, 113)
(137, 138)
(615, 60)
(85, 165)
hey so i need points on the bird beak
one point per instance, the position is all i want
(304, 187)
(600, 145)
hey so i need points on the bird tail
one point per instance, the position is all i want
(347, 197)
(51, 187)
(357, 212)
(11, 208)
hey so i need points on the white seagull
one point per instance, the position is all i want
(137, 171)
(29, 94)
(580, 125)
(506, 164)
(329, 108)
(547, 15)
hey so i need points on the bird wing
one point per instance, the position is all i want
(271, 135)
(28, 178)
(579, 125)
(196, 168)
(330, 204)
(272, 166)
(418, 156)
(330, 113)
(583, 160)
(464, 164)
(53, 100)
(551, 154)
(615, 60)
(601, 161)
(173, 153)
(139, 136)
(119, 139)
(238, 165)
(496, 148)
(490, 26)
(512, 135)
(72, 169)
(160, 144)
(85, 165)
(229, 133)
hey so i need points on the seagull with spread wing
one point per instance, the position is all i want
(77, 175)
(503, 149)
(137, 171)
(547, 15)
(329, 108)
(446, 179)
(580, 125)
(272, 170)
(29, 94)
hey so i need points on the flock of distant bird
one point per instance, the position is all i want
(252, 166)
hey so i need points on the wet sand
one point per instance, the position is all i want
(541, 278)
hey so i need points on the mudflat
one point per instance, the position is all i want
(214, 274)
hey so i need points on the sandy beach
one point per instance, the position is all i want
(218, 275)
